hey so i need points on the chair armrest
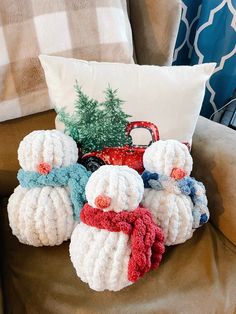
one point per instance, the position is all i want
(214, 155)
(11, 133)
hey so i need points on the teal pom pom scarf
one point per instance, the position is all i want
(75, 177)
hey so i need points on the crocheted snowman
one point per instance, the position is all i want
(177, 201)
(117, 242)
(43, 208)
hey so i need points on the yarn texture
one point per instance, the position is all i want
(51, 193)
(177, 201)
(120, 183)
(115, 245)
(163, 156)
(47, 146)
(188, 186)
(41, 216)
(74, 176)
(146, 237)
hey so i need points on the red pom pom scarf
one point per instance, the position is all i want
(147, 239)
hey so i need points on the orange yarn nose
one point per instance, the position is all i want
(102, 201)
(44, 168)
(178, 173)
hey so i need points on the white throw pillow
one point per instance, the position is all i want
(171, 97)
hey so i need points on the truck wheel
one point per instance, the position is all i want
(92, 163)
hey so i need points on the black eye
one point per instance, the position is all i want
(203, 219)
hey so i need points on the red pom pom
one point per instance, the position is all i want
(178, 173)
(102, 201)
(44, 168)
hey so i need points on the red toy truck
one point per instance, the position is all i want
(129, 155)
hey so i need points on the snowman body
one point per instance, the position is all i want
(100, 249)
(173, 212)
(41, 216)
(100, 257)
(171, 209)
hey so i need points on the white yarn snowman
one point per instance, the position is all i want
(168, 165)
(101, 257)
(43, 215)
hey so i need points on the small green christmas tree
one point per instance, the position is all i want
(87, 114)
(70, 122)
(96, 125)
(115, 120)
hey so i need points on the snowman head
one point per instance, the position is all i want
(169, 157)
(42, 150)
(114, 188)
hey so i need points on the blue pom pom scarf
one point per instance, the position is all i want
(188, 186)
(75, 177)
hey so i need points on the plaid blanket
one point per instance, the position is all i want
(84, 29)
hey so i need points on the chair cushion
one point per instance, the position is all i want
(198, 276)
(155, 25)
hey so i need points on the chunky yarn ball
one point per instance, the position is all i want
(100, 257)
(121, 184)
(43, 215)
(47, 148)
(166, 164)
(164, 156)
(172, 212)
(101, 246)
